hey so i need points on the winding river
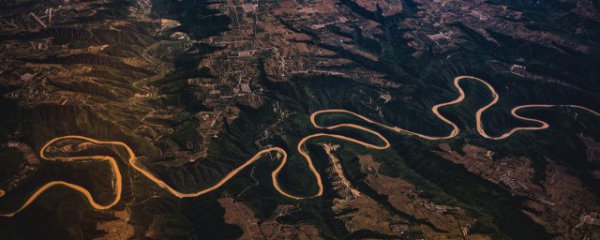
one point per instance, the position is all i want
(281, 153)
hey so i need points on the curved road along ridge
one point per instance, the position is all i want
(281, 153)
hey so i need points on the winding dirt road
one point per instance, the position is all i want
(282, 154)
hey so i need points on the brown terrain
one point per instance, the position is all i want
(28, 167)
(410, 214)
(593, 155)
(239, 214)
(118, 228)
(560, 202)
(115, 80)
(388, 7)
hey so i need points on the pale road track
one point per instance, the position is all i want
(281, 153)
